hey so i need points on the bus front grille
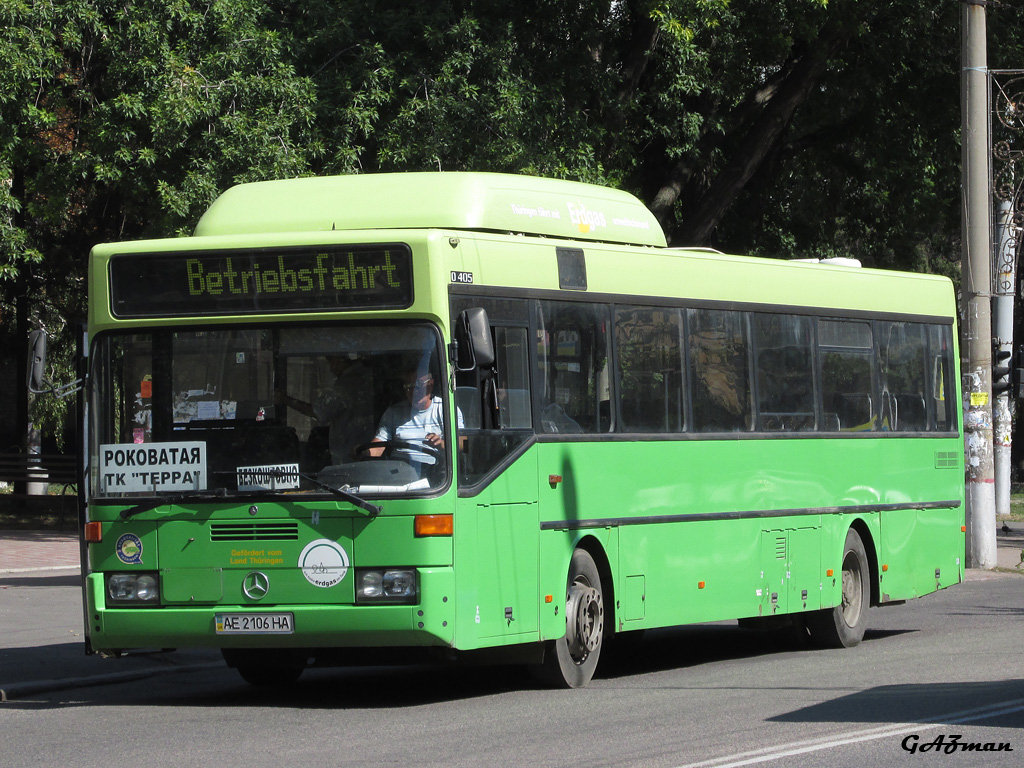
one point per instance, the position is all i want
(254, 531)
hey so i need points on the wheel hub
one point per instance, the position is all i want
(584, 620)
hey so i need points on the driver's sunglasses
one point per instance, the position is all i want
(420, 385)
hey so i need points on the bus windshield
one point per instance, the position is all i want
(268, 409)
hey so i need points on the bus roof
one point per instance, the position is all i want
(493, 202)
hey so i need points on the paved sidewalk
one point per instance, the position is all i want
(36, 551)
(41, 643)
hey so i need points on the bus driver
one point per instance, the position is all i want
(417, 419)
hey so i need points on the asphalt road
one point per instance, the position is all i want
(708, 695)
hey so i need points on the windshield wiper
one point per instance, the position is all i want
(348, 496)
(221, 493)
(173, 498)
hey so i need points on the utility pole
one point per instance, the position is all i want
(976, 289)
(1003, 374)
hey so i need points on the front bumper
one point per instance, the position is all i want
(429, 623)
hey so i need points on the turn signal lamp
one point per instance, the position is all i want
(434, 525)
(94, 532)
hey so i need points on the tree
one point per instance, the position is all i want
(777, 127)
(124, 120)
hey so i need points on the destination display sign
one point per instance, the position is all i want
(178, 466)
(303, 279)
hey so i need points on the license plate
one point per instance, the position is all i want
(255, 624)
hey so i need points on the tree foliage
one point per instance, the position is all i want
(124, 120)
(776, 127)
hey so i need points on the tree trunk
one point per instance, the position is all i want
(778, 103)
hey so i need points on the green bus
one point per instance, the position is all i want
(396, 417)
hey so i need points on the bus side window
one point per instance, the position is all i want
(513, 378)
(901, 351)
(495, 408)
(845, 349)
(573, 369)
(649, 346)
(940, 347)
(720, 371)
(785, 371)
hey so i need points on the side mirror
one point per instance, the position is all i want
(473, 336)
(37, 362)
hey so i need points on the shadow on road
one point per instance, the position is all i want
(681, 647)
(406, 686)
(55, 580)
(940, 703)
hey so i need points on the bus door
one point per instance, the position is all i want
(498, 525)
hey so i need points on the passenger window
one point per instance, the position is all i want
(494, 404)
(785, 372)
(513, 378)
(901, 352)
(572, 356)
(846, 352)
(649, 352)
(940, 348)
(719, 366)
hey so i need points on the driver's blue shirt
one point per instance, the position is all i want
(403, 421)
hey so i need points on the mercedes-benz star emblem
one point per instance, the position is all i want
(255, 585)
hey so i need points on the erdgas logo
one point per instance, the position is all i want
(324, 563)
(585, 219)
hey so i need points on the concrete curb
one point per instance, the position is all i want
(41, 570)
(34, 687)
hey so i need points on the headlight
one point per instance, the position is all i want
(387, 585)
(140, 588)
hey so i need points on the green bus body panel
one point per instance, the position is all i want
(468, 201)
(693, 529)
(497, 560)
(739, 528)
(702, 276)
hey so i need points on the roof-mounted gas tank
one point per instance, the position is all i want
(492, 202)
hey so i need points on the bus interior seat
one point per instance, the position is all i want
(910, 413)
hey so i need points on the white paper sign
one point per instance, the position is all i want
(268, 477)
(152, 467)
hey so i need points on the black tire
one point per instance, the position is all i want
(843, 626)
(570, 661)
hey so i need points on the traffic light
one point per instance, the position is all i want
(1006, 375)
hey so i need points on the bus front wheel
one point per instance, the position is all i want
(843, 626)
(570, 661)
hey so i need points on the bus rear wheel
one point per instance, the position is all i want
(843, 626)
(570, 661)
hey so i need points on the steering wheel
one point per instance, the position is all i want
(390, 446)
